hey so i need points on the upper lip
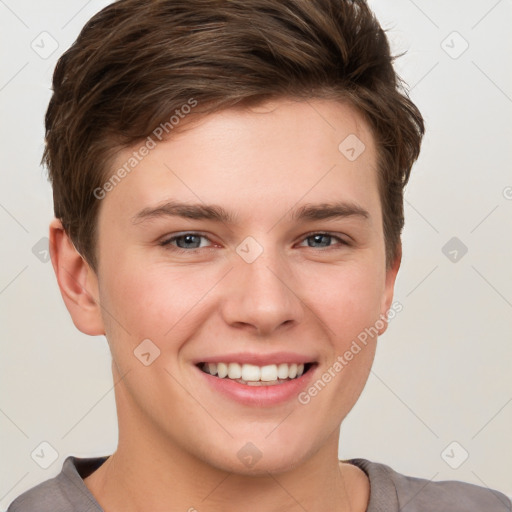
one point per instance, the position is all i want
(258, 359)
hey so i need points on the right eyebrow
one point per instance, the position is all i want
(189, 211)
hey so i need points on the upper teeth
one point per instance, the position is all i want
(253, 373)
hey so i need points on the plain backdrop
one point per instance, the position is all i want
(438, 403)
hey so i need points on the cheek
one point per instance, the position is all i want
(347, 299)
(153, 302)
(348, 305)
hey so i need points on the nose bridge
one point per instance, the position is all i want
(262, 292)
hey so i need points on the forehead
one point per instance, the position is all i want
(268, 158)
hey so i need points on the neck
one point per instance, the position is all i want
(147, 478)
(150, 471)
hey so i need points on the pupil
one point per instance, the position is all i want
(318, 239)
(189, 239)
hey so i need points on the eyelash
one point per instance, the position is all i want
(167, 242)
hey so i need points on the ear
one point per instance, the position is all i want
(78, 283)
(389, 288)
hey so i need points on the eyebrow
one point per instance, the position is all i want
(185, 210)
(322, 211)
(337, 210)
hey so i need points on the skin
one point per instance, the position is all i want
(178, 438)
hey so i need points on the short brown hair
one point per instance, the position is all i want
(136, 62)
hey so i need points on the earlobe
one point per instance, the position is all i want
(391, 274)
(77, 282)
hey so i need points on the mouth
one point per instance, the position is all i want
(254, 375)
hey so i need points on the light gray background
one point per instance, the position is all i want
(442, 371)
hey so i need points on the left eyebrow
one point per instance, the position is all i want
(337, 210)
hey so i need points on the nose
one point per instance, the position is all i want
(262, 296)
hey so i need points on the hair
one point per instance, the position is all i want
(136, 63)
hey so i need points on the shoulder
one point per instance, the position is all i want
(392, 491)
(47, 496)
(64, 493)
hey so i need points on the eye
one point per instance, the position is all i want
(186, 241)
(322, 240)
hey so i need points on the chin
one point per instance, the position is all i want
(257, 457)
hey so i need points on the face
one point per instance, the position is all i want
(251, 242)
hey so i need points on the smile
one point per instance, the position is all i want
(253, 375)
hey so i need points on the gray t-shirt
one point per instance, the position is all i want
(389, 492)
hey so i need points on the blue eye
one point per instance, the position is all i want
(185, 241)
(323, 240)
(188, 242)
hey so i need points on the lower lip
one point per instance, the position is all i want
(262, 396)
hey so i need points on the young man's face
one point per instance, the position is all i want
(260, 286)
